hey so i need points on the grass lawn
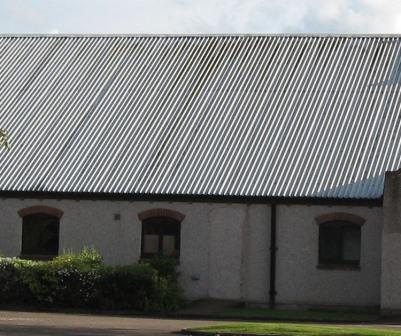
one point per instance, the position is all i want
(289, 329)
(298, 315)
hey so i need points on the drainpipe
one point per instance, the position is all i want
(273, 249)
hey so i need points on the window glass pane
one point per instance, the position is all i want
(351, 244)
(169, 246)
(330, 244)
(40, 235)
(150, 244)
(163, 230)
(339, 243)
(151, 227)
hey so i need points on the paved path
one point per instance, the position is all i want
(50, 324)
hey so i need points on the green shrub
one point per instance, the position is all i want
(41, 280)
(82, 280)
(130, 287)
(169, 293)
(11, 287)
(164, 265)
(77, 287)
(87, 258)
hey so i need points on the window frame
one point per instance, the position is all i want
(173, 217)
(344, 222)
(342, 227)
(161, 234)
(26, 214)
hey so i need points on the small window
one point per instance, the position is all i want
(339, 243)
(160, 236)
(40, 236)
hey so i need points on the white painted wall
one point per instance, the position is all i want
(226, 225)
(226, 246)
(298, 279)
(256, 253)
(211, 240)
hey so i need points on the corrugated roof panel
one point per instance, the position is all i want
(274, 115)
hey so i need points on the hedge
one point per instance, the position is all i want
(82, 280)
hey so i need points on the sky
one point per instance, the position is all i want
(200, 16)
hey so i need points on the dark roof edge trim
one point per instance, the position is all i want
(193, 198)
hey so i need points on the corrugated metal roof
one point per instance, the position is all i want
(288, 116)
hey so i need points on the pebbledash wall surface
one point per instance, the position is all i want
(224, 247)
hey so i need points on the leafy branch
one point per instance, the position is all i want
(4, 139)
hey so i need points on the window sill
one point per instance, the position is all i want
(148, 259)
(339, 267)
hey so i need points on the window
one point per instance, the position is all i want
(339, 243)
(160, 236)
(40, 236)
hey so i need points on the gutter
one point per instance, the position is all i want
(103, 196)
(273, 249)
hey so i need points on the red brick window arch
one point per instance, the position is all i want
(41, 209)
(340, 239)
(40, 232)
(161, 232)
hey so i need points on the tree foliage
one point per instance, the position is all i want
(4, 139)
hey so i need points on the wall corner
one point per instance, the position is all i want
(390, 294)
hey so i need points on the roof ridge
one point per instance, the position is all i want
(96, 35)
